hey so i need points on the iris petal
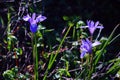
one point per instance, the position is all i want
(33, 28)
(33, 16)
(27, 17)
(40, 18)
(96, 24)
(82, 54)
(96, 43)
(86, 47)
(92, 24)
(100, 27)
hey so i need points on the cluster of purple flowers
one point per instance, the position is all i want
(86, 46)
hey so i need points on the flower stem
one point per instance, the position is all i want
(91, 61)
(16, 60)
(35, 57)
(91, 55)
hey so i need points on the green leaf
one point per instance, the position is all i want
(49, 30)
(8, 16)
(68, 74)
(1, 21)
(39, 34)
(75, 43)
(99, 53)
(84, 35)
(18, 51)
(58, 39)
(79, 24)
(114, 68)
(8, 75)
(40, 27)
(66, 18)
(118, 74)
(70, 23)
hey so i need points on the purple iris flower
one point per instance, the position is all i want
(86, 47)
(33, 21)
(92, 26)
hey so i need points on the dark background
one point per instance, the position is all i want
(107, 11)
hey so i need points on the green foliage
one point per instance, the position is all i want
(11, 40)
(55, 56)
(1, 22)
(13, 74)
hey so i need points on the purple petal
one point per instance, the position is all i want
(91, 24)
(96, 43)
(82, 54)
(88, 41)
(32, 21)
(88, 23)
(83, 42)
(33, 16)
(86, 46)
(33, 28)
(100, 27)
(40, 18)
(89, 45)
(91, 29)
(83, 26)
(82, 48)
(27, 17)
(96, 24)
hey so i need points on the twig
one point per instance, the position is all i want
(75, 69)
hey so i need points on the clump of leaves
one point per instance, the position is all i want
(13, 74)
